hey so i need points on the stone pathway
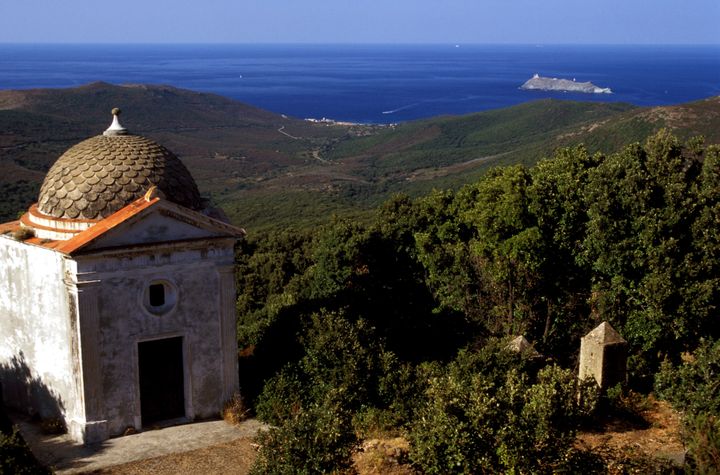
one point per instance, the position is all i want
(65, 456)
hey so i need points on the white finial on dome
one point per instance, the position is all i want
(115, 128)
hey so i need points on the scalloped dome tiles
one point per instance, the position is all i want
(101, 175)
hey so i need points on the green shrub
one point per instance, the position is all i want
(702, 439)
(402, 385)
(492, 361)
(474, 423)
(400, 392)
(282, 396)
(341, 355)
(374, 422)
(15, 456)
(541, 422)
(693, 386)
(455, 430)
(317, 439)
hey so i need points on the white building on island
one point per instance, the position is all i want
(117, 293)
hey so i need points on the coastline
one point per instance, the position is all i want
(365, 84)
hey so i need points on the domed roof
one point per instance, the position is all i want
(102, 174)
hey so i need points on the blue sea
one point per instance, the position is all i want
(375, 83)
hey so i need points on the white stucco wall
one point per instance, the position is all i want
(38, 336)
(70, 327)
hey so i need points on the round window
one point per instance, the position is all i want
(160, 297)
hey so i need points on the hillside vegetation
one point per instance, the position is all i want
(400, 326)
(393, 316)
(269, 171)
(223, 142)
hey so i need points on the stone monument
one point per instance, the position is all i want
(603, 356)
(520, 344)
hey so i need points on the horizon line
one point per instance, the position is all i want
(309, 43)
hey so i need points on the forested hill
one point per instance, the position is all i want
(401, 325)
(39, 124)
(219, 139)
(267, 170)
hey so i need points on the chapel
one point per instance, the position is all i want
(117, 293)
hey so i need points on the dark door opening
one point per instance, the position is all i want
(162, 388)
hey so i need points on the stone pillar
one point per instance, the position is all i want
(603, 356)
(228, 332)
(521, 345)
(94, 427)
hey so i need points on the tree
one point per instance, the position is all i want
(642, 204)
(557, 200)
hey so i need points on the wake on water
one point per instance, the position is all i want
(401, 108)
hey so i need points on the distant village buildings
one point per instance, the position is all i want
(117, 293)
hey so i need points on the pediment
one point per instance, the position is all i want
(153, 222)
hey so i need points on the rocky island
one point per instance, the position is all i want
(554, 84)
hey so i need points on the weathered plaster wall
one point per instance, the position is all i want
(38, 335)
(202, 316)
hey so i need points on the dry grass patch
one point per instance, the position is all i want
(235, 411)
(383, 457)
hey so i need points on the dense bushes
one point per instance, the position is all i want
(392, 321)
(479, 417)
(694, 387)
(15, 456)
(485, 409)
(313, 401)
(340, 357)
(702, 440)
(317, 438)
(649, 247)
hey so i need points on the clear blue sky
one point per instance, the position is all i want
(360, 21)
